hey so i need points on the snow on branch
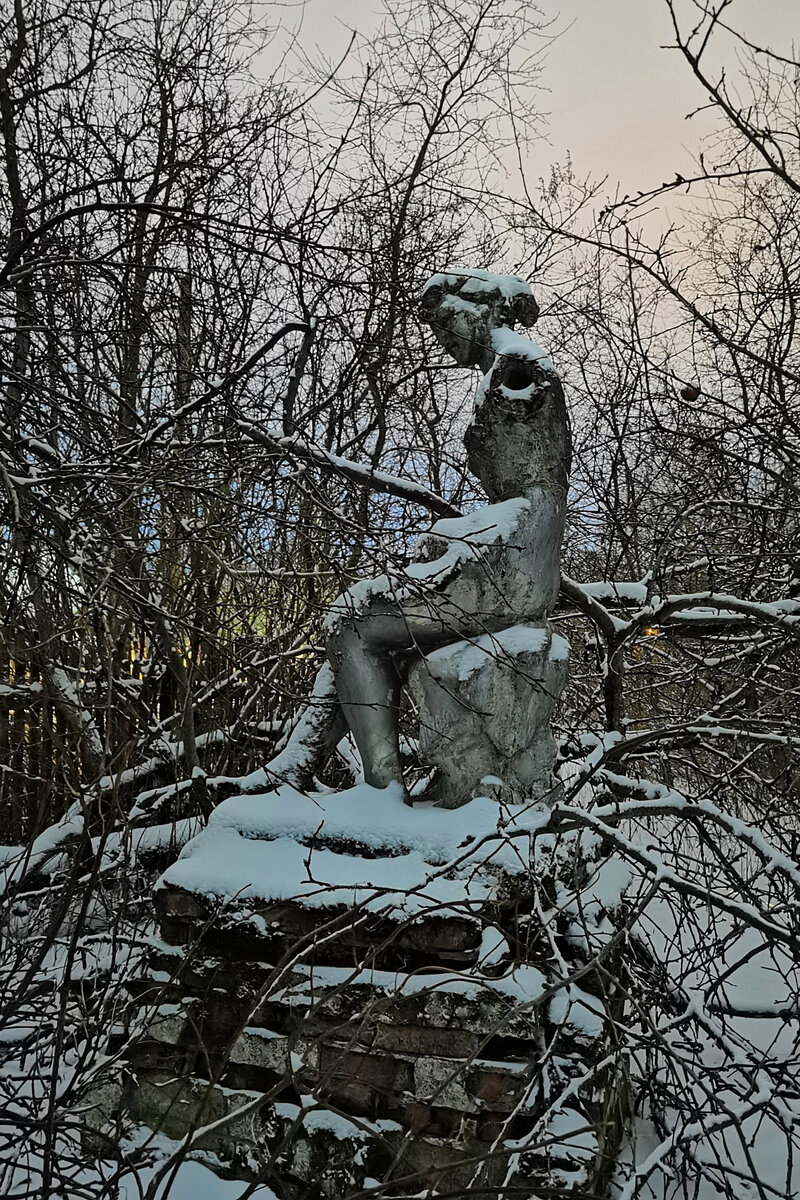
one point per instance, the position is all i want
(650, 799)
(378, 481)
(700, 610)
(656, 800)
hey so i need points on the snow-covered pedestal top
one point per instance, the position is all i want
(361, 847)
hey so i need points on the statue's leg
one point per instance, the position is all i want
(366, 653)
(368, 685)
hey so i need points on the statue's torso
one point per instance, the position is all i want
(500, 564)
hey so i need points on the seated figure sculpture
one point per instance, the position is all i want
(486, 572)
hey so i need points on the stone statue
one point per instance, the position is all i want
(386, 969)
(473, 579)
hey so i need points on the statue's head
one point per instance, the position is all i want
(519, 435)
(462, 309)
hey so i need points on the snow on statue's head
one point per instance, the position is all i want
(462, 309)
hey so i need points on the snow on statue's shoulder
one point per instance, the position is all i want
(506, 342)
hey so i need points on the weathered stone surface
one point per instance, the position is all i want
(258, 1047)
(485, 710)
(470, 1086)
(453, 1164)
(171, 1022)
(418, 1039)
(172, 1105)
(471, 575)
(451, 1056)
(100, 1109)
(349, 1049)
(268, 930)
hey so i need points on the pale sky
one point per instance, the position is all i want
(617, 101)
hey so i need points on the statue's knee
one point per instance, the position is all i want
(342, 644)
(335, 649)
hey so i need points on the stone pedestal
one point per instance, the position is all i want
(485, 712)
(335, 1001)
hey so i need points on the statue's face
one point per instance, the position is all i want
(462, 310)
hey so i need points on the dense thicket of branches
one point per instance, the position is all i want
(674, 317)
(219, 408)
(209, 288)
